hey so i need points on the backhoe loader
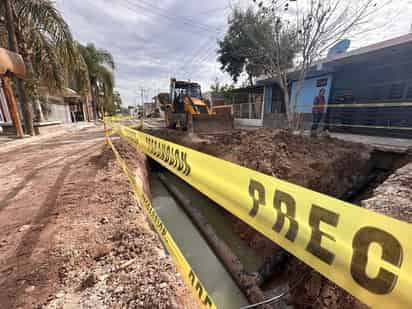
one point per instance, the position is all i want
(186, 109)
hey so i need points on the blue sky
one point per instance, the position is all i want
(152, 41)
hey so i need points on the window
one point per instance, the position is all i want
(201, 109)
(396, 91)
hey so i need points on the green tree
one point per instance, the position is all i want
(223, 90)
(117, 104)
(100, 65)
(43, 38)
(245, 47)
(311, 27)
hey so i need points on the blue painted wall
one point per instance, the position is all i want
(268, 99)
(309, 91)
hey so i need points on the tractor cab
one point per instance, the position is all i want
(181, 91)
(185, 108)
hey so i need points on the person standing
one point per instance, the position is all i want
(318, 109)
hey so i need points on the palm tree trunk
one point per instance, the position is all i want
(25, 105)
(94, 98)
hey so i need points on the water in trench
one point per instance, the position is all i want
(207, 266)
(217, 281)
(220, 222)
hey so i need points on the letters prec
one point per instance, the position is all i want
(392, 251)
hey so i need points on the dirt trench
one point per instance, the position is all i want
(323, 164)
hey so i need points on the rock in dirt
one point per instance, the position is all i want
(3, 243)
(30, 289)
(90, 281)
(104, 220)
(100, 251)
(24, 228)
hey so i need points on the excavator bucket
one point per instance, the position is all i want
(212, 123)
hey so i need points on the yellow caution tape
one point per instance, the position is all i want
(364, 252)
(188, 275)
(117, 118)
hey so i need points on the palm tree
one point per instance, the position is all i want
(100, 65)
(45, 41)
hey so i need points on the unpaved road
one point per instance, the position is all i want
(66, 220)
(31, 179)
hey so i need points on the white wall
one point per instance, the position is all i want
(59, 112)
(248, 122)
(4, 118)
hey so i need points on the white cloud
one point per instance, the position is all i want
(153, 41)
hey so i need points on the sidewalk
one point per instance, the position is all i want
(382, 143)
(392, 144)
(9, 142)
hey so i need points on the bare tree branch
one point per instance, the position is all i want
(320, 24)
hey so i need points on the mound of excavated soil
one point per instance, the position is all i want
(323, 164)
(394, 196)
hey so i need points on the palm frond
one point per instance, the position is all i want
(94, 57)
(47, 61)
(106, 80)
(81, 74)
(43, 16)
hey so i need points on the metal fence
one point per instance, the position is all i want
(247, 110)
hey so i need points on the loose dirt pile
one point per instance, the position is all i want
(323, 164)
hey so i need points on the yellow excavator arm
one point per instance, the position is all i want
(196, 106)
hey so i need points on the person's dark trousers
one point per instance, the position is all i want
(317, 117)
(326, 121)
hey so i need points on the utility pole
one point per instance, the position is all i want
(25, 105)
(142, 95)
(142, 100)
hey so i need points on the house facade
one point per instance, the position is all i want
(64, 106)
(5, 117)
(10, 115)
(367, 90)
(247, 105)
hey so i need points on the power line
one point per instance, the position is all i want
(202, 53)
(187, 18)
(214, 10)
(203, 59)
(205, 56)
(197, 54)
(199, 60)
(193, 25)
